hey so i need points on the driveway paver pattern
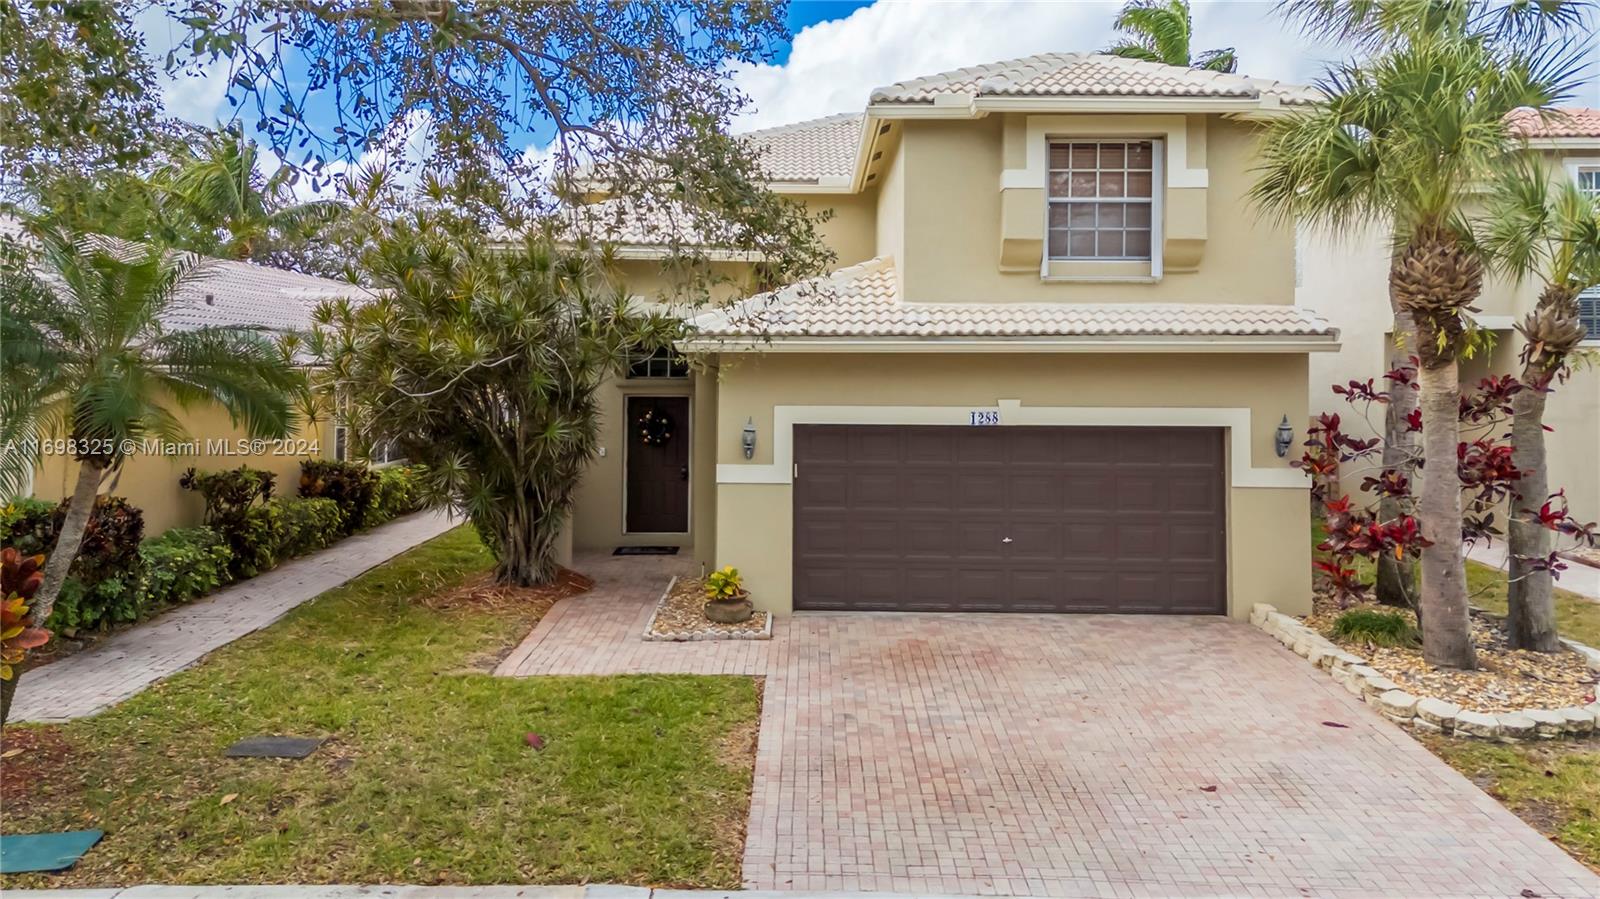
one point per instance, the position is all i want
(132, 660)
(1058, 755)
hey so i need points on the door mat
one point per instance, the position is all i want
(22, 853)
(645, 551)
(273, 748)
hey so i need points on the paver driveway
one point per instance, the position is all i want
(1072, 756)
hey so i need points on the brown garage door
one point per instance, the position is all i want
(1009, 519)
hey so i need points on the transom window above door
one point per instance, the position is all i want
(1102, 199)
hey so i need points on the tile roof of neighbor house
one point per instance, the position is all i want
(1088, 75)
(864, 300)
(1569, 121)
(226, 293)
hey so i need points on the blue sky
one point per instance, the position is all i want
(842, 49)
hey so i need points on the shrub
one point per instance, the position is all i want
(350, 484)
(397, 493)
(24, 516)
(84, 605)
(307, 524)
(235, 509)
(1375, 627)
(102, 585)
(724, 583)
(183, 564)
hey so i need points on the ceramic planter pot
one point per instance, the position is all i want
(732, 610)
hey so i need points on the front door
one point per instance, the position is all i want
(658, 465)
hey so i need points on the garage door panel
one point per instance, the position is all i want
(927, 491)
(1034, 490)
(1140, 492)
(1100, 519)
(1198, 543)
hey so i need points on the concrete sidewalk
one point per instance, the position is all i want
(98, 678)
(1578, 578)
(592, 891)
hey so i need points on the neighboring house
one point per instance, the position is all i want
(1048, 374)
(220, 293)
(1346, 281)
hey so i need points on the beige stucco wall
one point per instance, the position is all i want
(1269, 553)
(150, 481)
(953, 209)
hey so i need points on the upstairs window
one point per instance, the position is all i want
(1102, 200)
(663, 363)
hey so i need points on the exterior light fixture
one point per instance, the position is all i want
(1283, 438)
(748, 438)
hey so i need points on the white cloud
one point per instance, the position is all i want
(197, 92)
(834, 65)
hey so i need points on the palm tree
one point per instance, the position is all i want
(1405, 138)
(1160, 31)
(218, 203)
(1552, 231)
(88, 358)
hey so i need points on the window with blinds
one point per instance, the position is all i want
(1589, 313)
(1101, 199)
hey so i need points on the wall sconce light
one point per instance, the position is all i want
(748, 438)
(1283, 438)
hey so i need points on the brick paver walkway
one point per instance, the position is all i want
(128, 662)
(599, 632)
(1069, 756)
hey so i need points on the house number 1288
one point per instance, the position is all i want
(984, 417)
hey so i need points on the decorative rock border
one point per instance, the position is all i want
(692, 636)
(1427, 714)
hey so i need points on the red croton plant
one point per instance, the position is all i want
(1484, 462)
(20, 577)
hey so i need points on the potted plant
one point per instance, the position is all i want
(728, 602)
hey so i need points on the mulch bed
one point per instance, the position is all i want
(483, 592)
(1507, 680)
(679, 615)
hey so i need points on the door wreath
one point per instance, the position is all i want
(655, 428)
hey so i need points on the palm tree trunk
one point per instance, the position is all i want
(68, 540)
(1553, 330)
(1447, 622)
(1397, 578)
(1530, 598)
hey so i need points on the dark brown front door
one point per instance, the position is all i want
(658, 465)
(1009, 519)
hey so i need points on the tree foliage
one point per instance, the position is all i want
(484, 364)
(1161, 31)
(637, 95)
(76, 90)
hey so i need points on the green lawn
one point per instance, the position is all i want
(427, 779)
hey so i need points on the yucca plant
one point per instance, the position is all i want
(1406, 137)
(88, 359)
(484, 364)
(1538, 227)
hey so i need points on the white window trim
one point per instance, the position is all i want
(1157, 188)
(1576, 164)
(1237, 422)
(1590, 342)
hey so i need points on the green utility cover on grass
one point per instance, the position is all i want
(21, 853)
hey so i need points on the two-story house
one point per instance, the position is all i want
(1060, 367)
(1346, 280)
